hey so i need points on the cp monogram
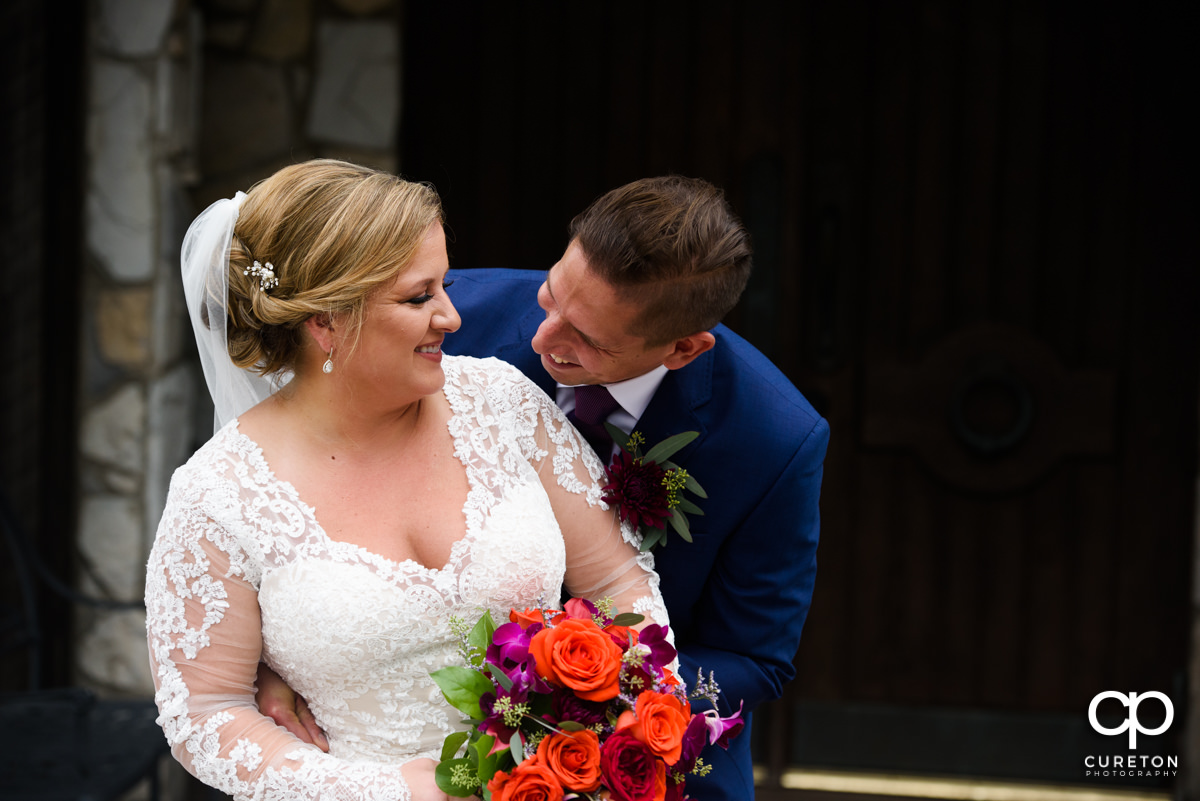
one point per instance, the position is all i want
(1131, 722)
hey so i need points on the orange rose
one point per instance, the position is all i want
(578, 655)
(527, 617)
(622, 635)
(573, 757)
(529, 781)
(659, 721)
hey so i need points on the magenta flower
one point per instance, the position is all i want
(509, 648)
(695, 737)
(654, 637)
(722, 730)
(504, 709)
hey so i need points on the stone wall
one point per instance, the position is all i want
(289, 80)
(189, 102)
(136, 385)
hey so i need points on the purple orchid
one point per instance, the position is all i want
(504, 709)
(695, 737)
(722, 730)
(509, 648)
(654, 637)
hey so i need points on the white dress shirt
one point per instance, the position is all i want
(633, 396)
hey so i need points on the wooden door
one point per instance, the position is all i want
(969, 227)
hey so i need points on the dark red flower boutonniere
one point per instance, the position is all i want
(648, 489)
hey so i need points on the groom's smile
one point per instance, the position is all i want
(585, 337)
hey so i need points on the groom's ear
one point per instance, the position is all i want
(685, 350)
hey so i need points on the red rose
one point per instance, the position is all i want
(631, 771)
(529, 781)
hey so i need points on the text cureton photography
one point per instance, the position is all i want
(1160, 714)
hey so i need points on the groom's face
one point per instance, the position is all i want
(585, 337)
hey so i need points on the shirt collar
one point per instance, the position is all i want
(634, 394)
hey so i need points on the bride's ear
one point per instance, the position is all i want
(320, 328)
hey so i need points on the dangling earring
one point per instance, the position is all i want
(328, 366)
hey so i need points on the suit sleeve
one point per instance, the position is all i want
(747, 625)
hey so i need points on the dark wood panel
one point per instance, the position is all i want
(932, 186)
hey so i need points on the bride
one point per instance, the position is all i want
(362, 490)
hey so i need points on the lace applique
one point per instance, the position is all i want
(240, 563)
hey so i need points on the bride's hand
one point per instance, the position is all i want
(419, 775)
(280, 703)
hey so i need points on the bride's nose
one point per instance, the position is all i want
(445, 317)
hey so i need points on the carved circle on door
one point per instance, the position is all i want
(1006, 413)
(989, 408)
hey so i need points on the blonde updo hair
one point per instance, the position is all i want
(334, 233)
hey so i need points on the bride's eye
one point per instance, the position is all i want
(420, 300)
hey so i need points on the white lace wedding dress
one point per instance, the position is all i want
(241, 569)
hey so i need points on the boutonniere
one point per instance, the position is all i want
(648, 489)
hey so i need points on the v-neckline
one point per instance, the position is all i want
(364, 554)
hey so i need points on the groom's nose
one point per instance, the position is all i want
(551, 328)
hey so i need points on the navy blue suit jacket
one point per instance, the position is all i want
(738, 595)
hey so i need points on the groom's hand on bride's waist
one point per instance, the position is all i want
(277, 701)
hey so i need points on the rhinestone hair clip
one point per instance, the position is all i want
(264, 273)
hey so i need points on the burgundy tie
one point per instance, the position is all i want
(593, 404)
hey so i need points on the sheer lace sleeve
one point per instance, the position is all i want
(205, 641)
(603, 560)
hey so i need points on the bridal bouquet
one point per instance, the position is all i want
(574, 704)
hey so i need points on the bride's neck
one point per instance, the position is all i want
(330, 418)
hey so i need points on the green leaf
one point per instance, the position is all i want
(688, 507)
(453, 743)
(619, 437)
(667, 448)
(462, 688)
(488, 765)
(628, 619)
(680, 524)
(442, 774)
(500, 677)
(570, 725)
(481, 635)
(517, 747)
(652, 538)
(693, 486)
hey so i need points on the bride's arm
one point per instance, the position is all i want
(205, 639)
(603, 560)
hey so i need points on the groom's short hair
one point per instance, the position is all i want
(673, 246)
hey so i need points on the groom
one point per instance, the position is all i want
(634, 306)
